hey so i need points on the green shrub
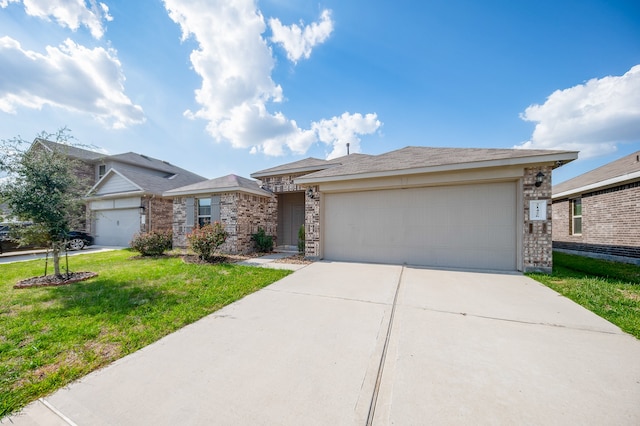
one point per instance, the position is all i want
(301, 239)
(264, 242)
(153, 243)
(205, 241)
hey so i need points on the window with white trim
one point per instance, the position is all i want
(576, 216)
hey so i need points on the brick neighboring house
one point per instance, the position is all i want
(597, 214)
(124, 192)
(446, 207)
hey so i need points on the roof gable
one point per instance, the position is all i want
(113, 182)
(229, 183)
(308, 165)
(620, 170)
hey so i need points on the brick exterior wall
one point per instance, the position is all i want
(537, 250)
(610, 223)
(179, 222)
(241, 214)
(159, 214)
(85, 174)
(312, 224)
(283, 183)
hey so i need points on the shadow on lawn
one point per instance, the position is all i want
(104, 295)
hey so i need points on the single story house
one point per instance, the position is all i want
(444, 207)
(240, 204)
(124, 191)
(597, 214)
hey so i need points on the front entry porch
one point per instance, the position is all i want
(290, 219)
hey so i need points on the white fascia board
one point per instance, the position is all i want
(538, 159)
(117, 195)
(598, 185)
(205, 191)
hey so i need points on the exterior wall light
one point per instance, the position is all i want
(142, 209)
(539, 178)
(310, 193)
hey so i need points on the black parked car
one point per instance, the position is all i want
(79, 240)
(76, 240)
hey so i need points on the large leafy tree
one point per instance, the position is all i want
(41, 186)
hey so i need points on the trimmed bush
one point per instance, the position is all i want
(301, 239)
(264, 242)
(153, 243)
(205, 241)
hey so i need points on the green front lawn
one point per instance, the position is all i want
(50, 336)
(610, 289)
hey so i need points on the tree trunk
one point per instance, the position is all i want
(55, 248)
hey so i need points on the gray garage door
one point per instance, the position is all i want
(116, 227)
(463, 226)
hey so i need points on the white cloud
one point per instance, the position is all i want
(298, 41)
(338, 131)
(68, 13)
(235, 64)
(592, 118)
(69, 76)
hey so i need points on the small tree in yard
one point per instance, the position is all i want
(41, 187)
(206, 240)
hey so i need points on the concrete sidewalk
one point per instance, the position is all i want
(26, 255)
(327, 345)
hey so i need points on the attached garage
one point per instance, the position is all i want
(440, 207)
(116, 221)
(462, 226)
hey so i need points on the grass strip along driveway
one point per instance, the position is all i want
(50, 336)
(609, 289)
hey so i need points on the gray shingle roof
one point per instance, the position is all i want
(157, 183)
(71, 151)
(307, 165)
(418, 157)
(615, 169)
(221, 184)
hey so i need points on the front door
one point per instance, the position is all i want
(290, 217)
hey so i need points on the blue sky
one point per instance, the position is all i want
(236, 86)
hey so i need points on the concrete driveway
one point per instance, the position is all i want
(328, 346)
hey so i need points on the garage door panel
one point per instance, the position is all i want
(116, 227)
(466, 226)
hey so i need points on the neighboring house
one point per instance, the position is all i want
(443, 207)
(597, 214)
(238, 203)
(125, 192)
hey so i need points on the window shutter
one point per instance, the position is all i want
(215, 208)
(191, 214)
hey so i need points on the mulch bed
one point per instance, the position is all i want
(192, 258)
(235, 258)
(297, 259)
(53, 281)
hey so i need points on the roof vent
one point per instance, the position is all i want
(172, 176)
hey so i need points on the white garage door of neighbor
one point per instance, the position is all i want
(116, 227)
(461, 226)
